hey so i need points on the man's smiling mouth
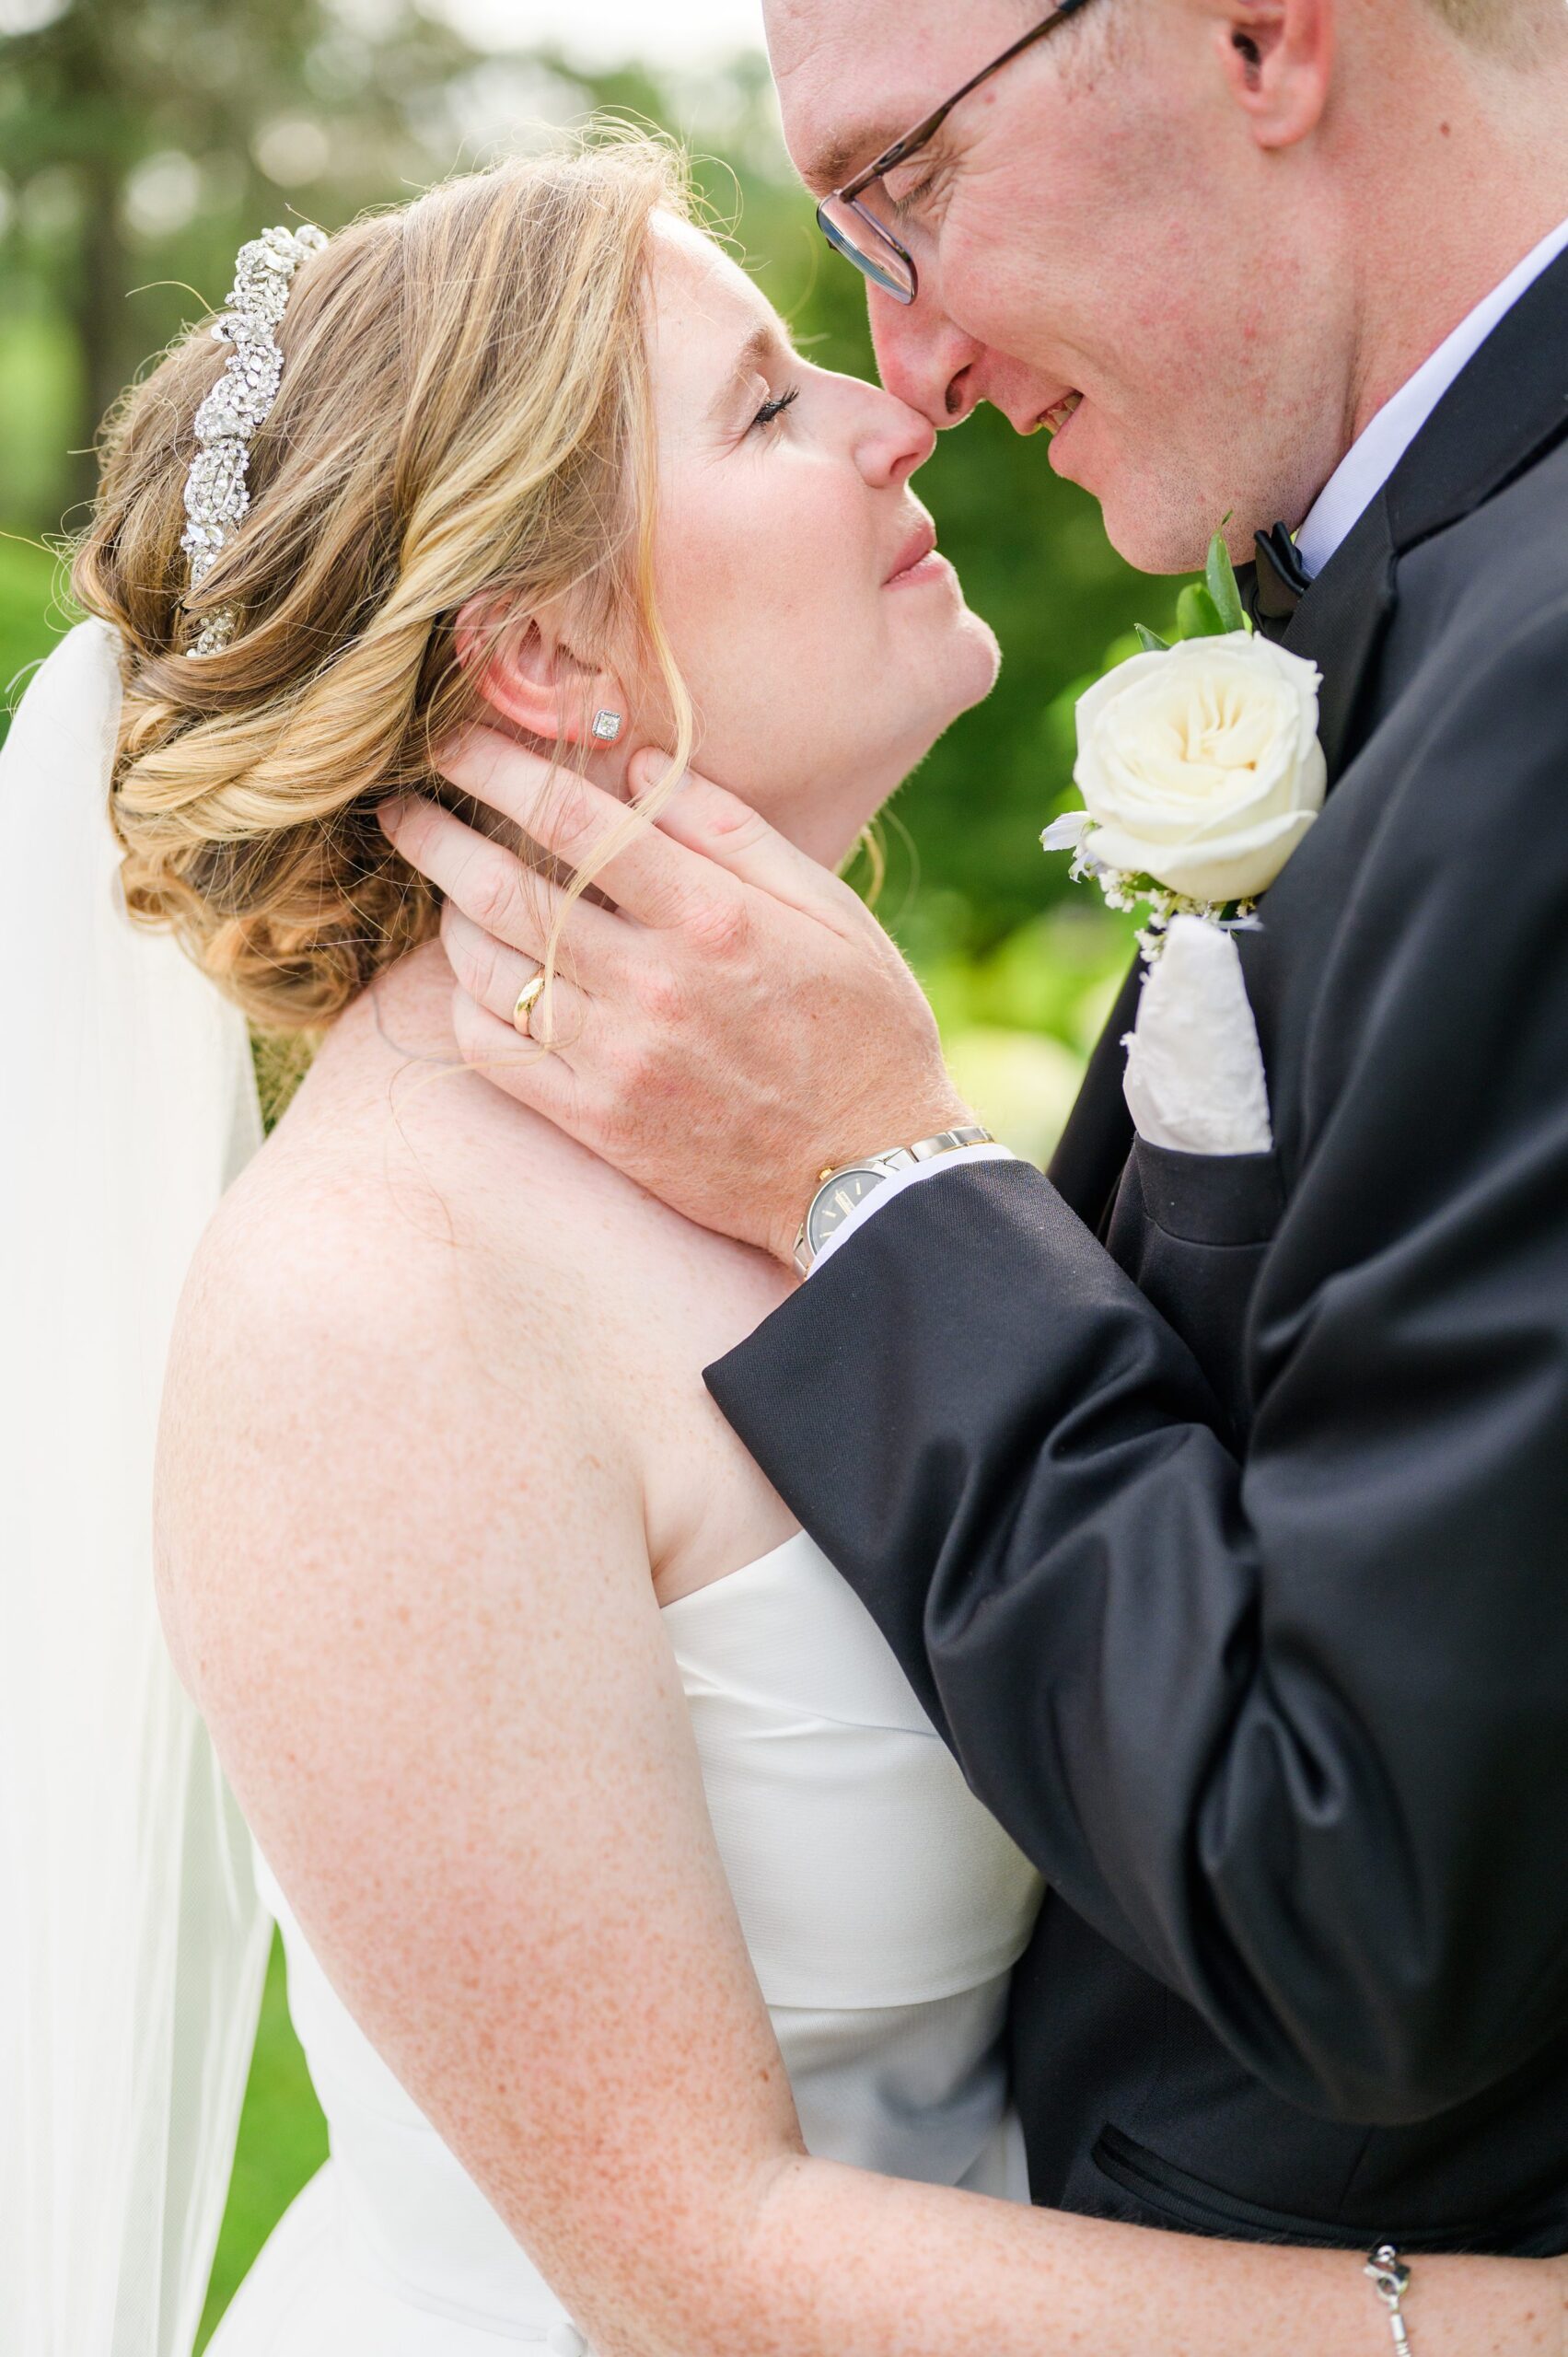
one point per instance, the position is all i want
(1053, 420)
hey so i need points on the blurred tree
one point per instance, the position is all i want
(141, 135)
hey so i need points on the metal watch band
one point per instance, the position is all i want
(947, 1141)
(891, 1159)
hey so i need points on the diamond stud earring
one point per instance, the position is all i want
(607, 726)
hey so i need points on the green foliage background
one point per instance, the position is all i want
(142, 140)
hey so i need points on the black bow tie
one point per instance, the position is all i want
(1280, 581)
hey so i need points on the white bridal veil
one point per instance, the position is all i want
(132, 1943)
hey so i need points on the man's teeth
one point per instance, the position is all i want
(1055, 419)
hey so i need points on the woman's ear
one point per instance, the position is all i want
(526, 671)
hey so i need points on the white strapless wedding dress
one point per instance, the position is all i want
(883, 1908)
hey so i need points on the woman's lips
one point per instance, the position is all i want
(918, 561)
(934, 567)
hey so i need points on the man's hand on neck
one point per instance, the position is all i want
(734, 1025)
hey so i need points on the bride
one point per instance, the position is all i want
(649, 1953)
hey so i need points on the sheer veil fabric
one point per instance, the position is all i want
(135, 1945)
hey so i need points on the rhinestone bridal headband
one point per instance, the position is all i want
(216, 495)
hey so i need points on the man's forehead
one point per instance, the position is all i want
(853, 78)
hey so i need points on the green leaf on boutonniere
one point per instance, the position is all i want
(1224, 593)
(1197, 616)
(1208, 608)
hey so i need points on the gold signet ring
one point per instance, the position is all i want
(527, 999)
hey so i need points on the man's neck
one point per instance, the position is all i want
(1469, 199)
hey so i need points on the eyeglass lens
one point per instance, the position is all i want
(859, 239)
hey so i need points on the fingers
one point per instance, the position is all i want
(707, 819)
(547, 1085)
(648, 876)
(493, 976)
(491, 885)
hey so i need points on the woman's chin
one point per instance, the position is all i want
(832, 833)
(954, 676)
(958, 675)
(886, 741)
(986, 653)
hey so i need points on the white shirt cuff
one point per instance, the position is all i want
(957, 1157)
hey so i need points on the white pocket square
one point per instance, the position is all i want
(1194, 1078)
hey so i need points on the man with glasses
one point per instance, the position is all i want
(1217, 1505)
(853, 218)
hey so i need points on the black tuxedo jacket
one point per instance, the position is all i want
(1218, 1508)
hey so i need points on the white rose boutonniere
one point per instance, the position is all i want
(1199, 765)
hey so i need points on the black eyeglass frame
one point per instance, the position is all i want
(899, 153)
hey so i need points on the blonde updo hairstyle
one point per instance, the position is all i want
(464, 412)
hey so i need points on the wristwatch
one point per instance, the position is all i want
(840, 1192)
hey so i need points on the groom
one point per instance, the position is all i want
(1217, 1505)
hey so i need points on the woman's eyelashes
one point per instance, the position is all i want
(773, 409)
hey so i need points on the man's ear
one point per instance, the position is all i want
(1278, 57)
(526, 671)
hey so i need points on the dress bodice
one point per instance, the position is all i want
(883, 1908)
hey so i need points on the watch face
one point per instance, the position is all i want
(839, 1197)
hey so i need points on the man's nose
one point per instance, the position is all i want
(946, 373)
(922, 357)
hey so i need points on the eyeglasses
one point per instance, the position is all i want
(854, 229)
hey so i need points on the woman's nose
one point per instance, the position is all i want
(894, 441)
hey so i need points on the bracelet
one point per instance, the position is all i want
(1391, 2280)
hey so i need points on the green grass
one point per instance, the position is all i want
(282, 2141)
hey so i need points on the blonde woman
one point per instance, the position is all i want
(649, 1953)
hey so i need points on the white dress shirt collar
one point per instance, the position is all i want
(1376, 451)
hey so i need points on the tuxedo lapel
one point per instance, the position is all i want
(1501, 411)
(1338, 625)
(1097, 1139)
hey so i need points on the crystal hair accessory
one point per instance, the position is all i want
(216, 495)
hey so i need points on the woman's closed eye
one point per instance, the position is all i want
(775, 408)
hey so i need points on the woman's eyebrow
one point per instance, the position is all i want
(764, 345)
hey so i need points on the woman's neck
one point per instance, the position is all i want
(409, 1008)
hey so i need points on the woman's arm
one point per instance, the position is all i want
(413, 1598)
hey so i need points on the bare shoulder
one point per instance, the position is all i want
(359, 1378)
(424, 1330)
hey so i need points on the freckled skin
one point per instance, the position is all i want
(436, 1447)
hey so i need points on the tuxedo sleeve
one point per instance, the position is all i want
(1288, 1725)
